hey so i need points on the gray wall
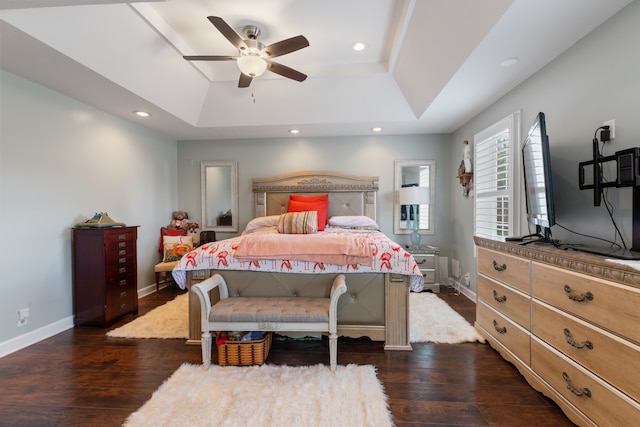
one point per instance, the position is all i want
(62, 161)
(373, 155)
(596, 80)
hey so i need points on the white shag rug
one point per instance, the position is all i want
(432, 320)
(170, 320)
(267, 395)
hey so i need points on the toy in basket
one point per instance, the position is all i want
(234, 351)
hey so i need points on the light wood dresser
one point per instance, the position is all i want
(569, 322)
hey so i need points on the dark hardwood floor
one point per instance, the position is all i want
(83, 378)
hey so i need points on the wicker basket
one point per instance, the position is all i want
(244, 353)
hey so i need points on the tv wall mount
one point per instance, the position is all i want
(627, 163)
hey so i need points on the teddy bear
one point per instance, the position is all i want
(180, 220)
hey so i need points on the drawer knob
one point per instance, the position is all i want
(498, 267)
(501, 299)
(573, 343)
(578, 298)
(578, 392)
(421, 261)
(502, 330)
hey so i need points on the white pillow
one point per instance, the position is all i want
(262, 221)
(352, 221)
(188, 239)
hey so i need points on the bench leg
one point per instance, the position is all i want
(206, 349)
(333, 351)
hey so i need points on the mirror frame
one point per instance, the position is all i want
(233, 165)
(397, 184)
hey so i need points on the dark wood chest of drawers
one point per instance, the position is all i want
(104, 274)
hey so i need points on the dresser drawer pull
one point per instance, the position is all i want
(123, 294)
(122, 244)
(578, 298)
(421, 261)
(122, 260)
(571, 342)
(123, 306)
(501, 299)
(123, 282)
(498, 267)
(122, 252)
(502, 330)
(122, 236)
(578, 392)
(122, 270)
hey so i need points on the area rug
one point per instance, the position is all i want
(267, 395)
(170, 320)
(432, 320)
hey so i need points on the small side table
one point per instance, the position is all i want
(427, 259)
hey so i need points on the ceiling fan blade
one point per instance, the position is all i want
(245, 80)
(285, 71)
(209, 58)
(227, 31)
(286, 46)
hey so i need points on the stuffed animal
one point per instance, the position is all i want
(191, 226)
(180, 220)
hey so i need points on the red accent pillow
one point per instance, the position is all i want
(164, 231)
(321, 207)
(318, 198)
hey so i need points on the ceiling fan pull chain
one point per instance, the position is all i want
(253, 95)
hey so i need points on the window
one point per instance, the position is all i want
(497, 179)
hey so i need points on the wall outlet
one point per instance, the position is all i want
(23, 316)
(612, 128)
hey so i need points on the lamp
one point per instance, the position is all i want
(252, 65)
(414, 196)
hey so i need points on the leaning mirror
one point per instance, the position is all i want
(219, 187)
(414, 195)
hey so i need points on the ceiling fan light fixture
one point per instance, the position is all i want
(252, 65)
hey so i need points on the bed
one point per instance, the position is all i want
(376, 304)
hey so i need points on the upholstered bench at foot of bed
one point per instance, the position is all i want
(287, 314)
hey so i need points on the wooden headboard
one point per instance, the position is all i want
(348, 194)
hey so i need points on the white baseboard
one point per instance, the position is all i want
(452, 282)
(22, 341)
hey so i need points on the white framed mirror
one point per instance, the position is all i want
(414, 173)
(219, 191)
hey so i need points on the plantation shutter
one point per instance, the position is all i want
(495, 180)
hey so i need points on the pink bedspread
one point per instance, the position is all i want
(385, 256)
(328, 248)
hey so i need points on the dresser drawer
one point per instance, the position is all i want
(425, 261)
(513, 304)
(504, 330)
(114, 235)
(505, 268)
(591, 347)
(120, 267)
(609, 305)
(602, 403)
(429, 276)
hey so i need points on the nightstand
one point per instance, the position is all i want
(427, 259)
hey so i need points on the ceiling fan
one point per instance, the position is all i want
(253, 56)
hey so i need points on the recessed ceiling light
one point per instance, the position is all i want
(359, 46)
(142, 113)
(509, 62)
(376, 129)
(294, 131)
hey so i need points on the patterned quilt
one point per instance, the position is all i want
(386, 257)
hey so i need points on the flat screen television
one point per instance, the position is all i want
(537, 179)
